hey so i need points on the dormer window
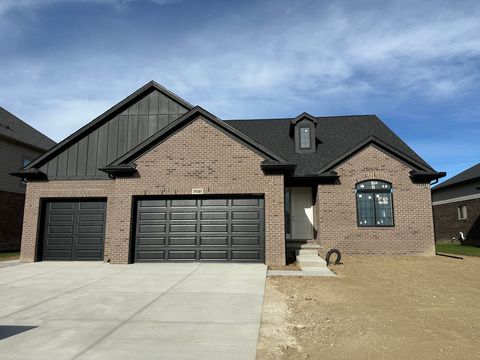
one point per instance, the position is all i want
(305, 138)
(302, 129)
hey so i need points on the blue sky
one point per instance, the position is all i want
(416, 64)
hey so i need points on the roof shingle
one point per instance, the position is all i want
(14, 128)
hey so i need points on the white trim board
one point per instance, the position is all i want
(457, 199)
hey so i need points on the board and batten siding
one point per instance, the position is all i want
(114, 138)
(11, 160)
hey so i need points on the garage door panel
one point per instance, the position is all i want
(214, 215)
(99, 217)
(183, 203)
(61, 218)
(245, 255)
(60, 241)
(182, 255)
(59, 254)
(182, 240)
(214, 255)
(147, 229)
(90, 229)
(60, 229)
(87, 254)
(200, 229)
(156, 255)
(183, 228)
(90, 240)
(91, 205)
(239, 228)
(160, 241)
(245, 215)
(245, 240)
(183, 216)
(214, 202)
(214, 227)
(154, 203)
(154, 216)
(213, 240)
(62, 205)
(74, 230)
(245, 202)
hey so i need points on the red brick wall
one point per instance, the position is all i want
(11, 218)
(337, 217)
(198, 156)
(447, 225)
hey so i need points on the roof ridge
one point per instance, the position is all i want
(317, 117)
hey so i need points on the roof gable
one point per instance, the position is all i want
(179, 124)
(112, 134)
(372, 140)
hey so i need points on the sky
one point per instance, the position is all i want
(415, 64)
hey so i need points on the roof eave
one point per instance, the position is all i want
(123, 170)
(424, 176)
(30, 174)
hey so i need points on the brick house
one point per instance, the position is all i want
(19, 144)
(155, 179)
(456, 208)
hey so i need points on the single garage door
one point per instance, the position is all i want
(74, 230)
(200, 229)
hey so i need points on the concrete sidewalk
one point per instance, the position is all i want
(81, 310)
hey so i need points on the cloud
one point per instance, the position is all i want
(8, 5)
(252, 59)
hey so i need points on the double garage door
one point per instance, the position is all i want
(166, 229)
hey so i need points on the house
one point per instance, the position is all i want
(156, 179)
(456, 208)
(19, 144)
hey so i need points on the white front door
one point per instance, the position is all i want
(299, 213)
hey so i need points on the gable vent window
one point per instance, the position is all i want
(462, 212)
(374, 204)
(305, 142)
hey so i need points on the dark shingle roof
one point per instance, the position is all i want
(467, 175)
(14, 128)
(336, 136)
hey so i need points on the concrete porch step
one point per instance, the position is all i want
(311, 261)
(313, 252)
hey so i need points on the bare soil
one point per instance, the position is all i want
(376, 308)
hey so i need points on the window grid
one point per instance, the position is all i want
(305, 138)
(374, 204)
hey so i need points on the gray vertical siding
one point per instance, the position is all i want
(11, 160)
(114, 138)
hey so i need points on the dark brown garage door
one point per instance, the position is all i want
(200, 229)
(74, 230)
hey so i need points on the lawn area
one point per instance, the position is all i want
(9, 256)
(458, 249)
(376, 308)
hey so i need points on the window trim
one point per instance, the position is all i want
(309, 137)
(374, 191)
(23, 181)
(460, 213)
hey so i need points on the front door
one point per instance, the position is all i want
(299, 213)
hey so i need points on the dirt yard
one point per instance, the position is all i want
(376, 308)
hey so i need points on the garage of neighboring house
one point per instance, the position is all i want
(199, 229)
(73, 229)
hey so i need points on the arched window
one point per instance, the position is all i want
(374, 203)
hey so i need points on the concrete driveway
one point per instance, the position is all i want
(82, 310)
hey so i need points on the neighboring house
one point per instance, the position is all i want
(456, 208)
(155, 178)
(19, 144)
